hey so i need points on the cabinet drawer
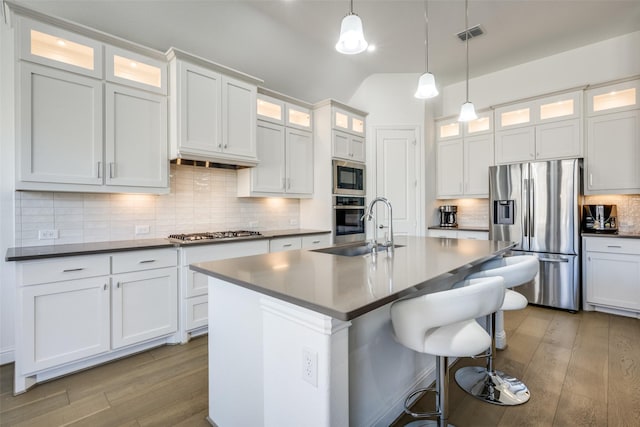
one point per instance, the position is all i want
(612, 245)
(285, 244)
(477, 235)
(197, 312)
(316, 241)
(144, 260)
(59, 269)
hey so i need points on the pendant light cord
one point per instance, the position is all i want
(426, 37)
(466, 39)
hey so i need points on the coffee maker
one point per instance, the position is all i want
(600, 219)
(448, 216)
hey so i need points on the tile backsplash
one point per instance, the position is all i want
(471, 212)
(475, 212)
(628, 210)
(200, 199)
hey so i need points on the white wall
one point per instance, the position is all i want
(7, 209)
(388, 98)
(600, 62)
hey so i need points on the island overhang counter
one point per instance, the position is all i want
(304, 337)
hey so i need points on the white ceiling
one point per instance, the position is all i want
(290, 43)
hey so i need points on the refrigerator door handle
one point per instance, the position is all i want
(525, 209)
(553, 259)
(532, 208)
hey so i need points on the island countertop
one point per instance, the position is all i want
(346, 287)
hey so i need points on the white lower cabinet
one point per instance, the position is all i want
(193, 285)
(63, 322)
(144, 305)
(612, 274)
(75, 312)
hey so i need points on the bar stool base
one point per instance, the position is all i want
(497, 388)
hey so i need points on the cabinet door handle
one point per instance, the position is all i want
(220, 145)
(284, 183)
(118, 285)
(69, 270)
(225, 146)
(590, 179)
(288, 183)
(111, 169)
(99, 169)
(315, 242)
(286, 245)
(614, 246)
(105, 287)
(146, 261)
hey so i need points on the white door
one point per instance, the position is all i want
(398, 166)
(136, 137)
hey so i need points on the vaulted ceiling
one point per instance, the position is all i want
(290, 43)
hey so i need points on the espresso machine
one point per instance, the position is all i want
(600, 219)
(448, 216)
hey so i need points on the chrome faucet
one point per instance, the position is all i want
(369, 216)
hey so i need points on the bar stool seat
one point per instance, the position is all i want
(443, 324)
(488, 384)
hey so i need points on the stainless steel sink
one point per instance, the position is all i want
(353, 249)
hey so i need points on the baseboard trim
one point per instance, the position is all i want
(7, 356)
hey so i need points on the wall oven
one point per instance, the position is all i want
(348, 225)
(348, 178)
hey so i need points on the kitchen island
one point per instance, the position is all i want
(304, 337)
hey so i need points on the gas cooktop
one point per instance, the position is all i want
(213, 235)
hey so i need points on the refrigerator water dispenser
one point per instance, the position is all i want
(503, 212)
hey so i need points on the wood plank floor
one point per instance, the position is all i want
(582, 369)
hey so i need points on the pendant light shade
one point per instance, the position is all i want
(351, 39)
(427, 82)
(426, 87)
(467, 111)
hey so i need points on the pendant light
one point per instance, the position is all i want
(467, 111)
(351, 34)
(427, 82)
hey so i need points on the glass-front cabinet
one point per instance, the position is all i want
(541, 129)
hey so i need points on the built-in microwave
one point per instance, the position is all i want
(348, 178)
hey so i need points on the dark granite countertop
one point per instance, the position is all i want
(621, 235)
(52, 251)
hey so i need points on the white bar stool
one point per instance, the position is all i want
(487, 384)
(443, 324)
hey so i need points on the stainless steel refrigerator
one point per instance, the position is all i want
(538, 205)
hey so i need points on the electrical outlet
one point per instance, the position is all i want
(48, 234)
(142, 229)
(310, 366)
(293, 222)
(253, 224)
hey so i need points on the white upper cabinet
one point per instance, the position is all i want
(464, 154)
(542, 129)
(55, 47)
(60, 128)
(285, 149)
(135, 121)
(613, 139)
(613, 98)
(76, 131)
(132, 69)
(212, 115)
(348, 136)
